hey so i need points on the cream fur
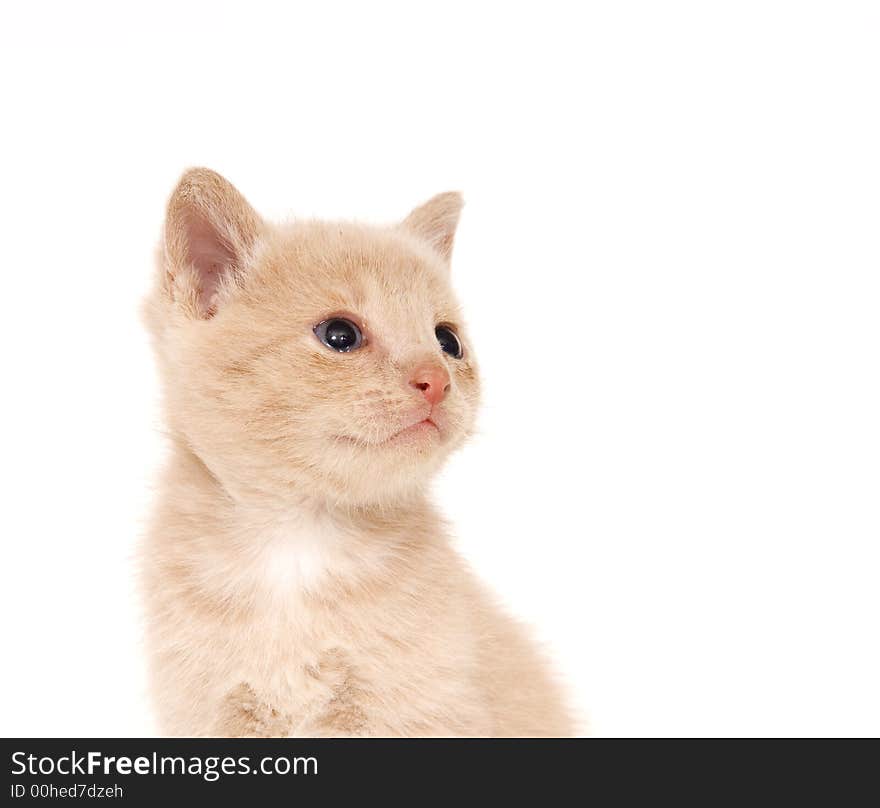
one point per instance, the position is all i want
(297, 580)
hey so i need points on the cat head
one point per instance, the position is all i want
(320, 360)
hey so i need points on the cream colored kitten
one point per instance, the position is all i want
(298, 581)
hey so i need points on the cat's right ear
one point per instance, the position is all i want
(210, 235)
(435, 222)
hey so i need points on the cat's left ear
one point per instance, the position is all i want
(436, 220)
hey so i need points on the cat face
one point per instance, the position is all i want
(312, 360)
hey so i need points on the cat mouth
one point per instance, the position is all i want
(425, 429)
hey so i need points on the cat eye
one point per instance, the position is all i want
(449, 341)
(339, 334)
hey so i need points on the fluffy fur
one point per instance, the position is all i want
(297, 580)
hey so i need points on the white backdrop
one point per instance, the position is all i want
(669, 256)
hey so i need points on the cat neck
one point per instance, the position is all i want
(199, 473)
(272, 546)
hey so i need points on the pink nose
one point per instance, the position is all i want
(432, 380)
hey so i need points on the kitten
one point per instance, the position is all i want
(297, 580)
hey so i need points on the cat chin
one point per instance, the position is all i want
(383, 474)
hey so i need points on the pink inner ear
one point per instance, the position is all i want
(212, 258)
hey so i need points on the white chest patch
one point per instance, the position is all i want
(295, 554)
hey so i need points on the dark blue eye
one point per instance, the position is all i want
(339, 334)
(449, 342)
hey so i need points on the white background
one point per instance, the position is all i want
(669, 256)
